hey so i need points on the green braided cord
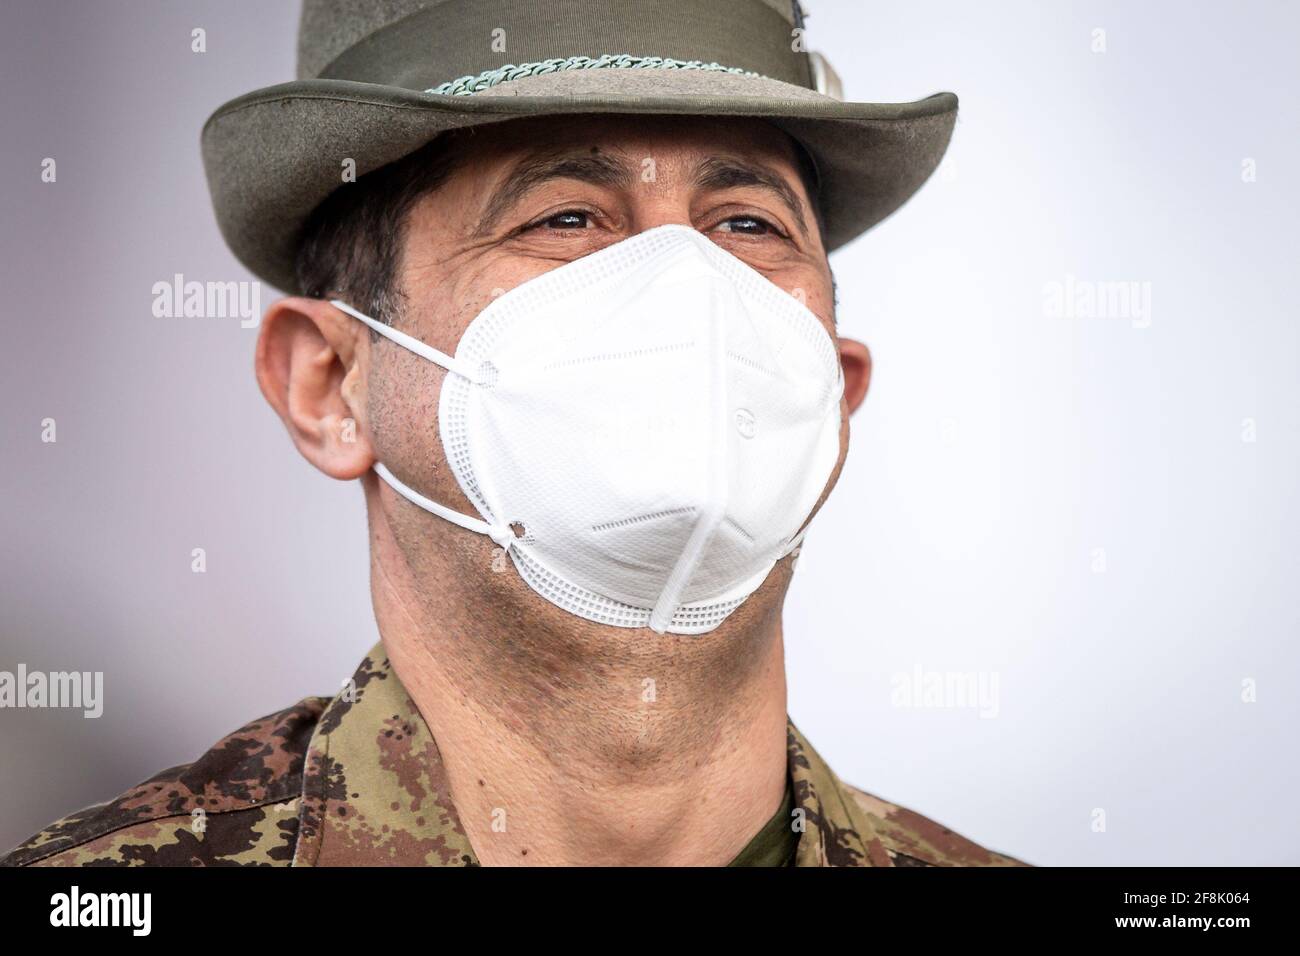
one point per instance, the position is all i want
(469, 85)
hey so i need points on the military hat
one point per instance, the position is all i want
(378, 79)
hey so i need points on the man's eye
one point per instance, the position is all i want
(569, 219)
(747, 225)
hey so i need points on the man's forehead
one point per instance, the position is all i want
(664, 139)
(500, 164)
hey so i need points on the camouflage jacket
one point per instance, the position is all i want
(357, 780)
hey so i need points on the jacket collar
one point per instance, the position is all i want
(375, 791)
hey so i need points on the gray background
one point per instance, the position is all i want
(998, 448)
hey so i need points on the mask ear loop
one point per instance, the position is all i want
(502, 535)
(412, 344)
(792, 544)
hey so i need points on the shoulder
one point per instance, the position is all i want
(237, 804)
(909, 839)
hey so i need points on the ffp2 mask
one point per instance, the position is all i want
(659, 418)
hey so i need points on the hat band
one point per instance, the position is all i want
(469, 85)
(470, 39)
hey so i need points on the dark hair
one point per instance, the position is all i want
(351, 245)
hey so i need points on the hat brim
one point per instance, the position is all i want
(273, 155)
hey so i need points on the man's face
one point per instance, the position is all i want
(529, 196)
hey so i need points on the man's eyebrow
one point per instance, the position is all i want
(599, 170)
(717, 173)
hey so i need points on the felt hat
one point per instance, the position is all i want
(378, 79)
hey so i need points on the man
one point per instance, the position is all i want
(611, 399)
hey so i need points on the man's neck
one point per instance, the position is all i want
(572, 743)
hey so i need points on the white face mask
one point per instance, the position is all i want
(657, 416)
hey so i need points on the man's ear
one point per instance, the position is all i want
(309, 369)
(856, 360)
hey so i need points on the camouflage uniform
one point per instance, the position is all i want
(357, 780)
